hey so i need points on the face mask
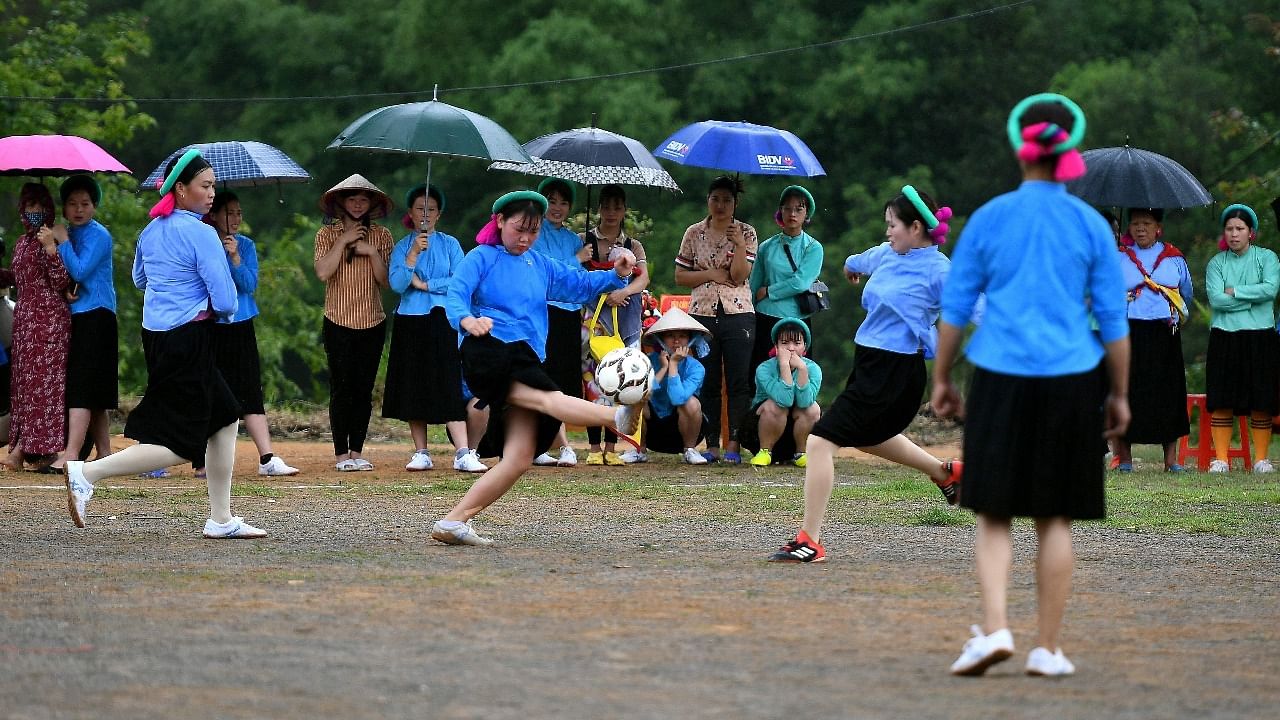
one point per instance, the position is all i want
(33, 219)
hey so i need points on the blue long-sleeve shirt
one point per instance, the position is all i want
(902, 297)
(769, 385)
(514, 290)
(673, 391)
(87, 256)
(245, 278)
(559, 243)
(435, 265)
(1037, 253)
(182, 270)
(1172, 272)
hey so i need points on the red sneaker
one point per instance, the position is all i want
(801, 550)
(951, 486)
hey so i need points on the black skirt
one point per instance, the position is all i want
(880, 399)
(424, 370)
(663, 434)
(490, 366)
(186, 400)
(783, 450)
(1031, 445)
(1157, 384)
(93, 361)
(1240, 372)
(564, 350)
(235, 348)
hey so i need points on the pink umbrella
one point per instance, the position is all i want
(40, 155)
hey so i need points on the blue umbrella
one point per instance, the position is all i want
(239, 163)
(740, 147)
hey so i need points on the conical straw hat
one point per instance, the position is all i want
(676, 319)
(380, 207)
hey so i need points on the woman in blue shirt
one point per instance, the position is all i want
(883, 392)
(93, 374)
(1036, 412)
(235, 340)
(497, 301)
(1159, 294)
(424, 371)
(187, 412)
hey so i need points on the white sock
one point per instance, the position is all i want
(131, 461)
(219, 460)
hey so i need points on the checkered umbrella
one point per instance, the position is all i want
(591, 156)
(239, 163)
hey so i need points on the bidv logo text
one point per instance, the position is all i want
(776, 162)
(677, 148)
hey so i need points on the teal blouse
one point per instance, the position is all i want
(1255, 277)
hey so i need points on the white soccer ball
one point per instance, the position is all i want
(625, 376)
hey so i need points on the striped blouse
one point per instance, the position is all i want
(352, 297)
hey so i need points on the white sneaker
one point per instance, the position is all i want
(545, 460)
(1217, 466)
(634, 456)
(79, 490)
(1044, 663)
(237, 529)
(453, 532)
(275, 466)
(468, 462)
(420, 461)
(983, 651)
(1263, 466)
(347, 465)
(568, 458)
(693, 457)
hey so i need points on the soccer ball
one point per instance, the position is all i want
(625, 376)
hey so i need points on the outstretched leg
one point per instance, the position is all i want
(819, 478)
(900, 450)
(517, 456)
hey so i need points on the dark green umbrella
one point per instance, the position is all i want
(431, 128)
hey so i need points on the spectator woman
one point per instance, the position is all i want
(788, 264)
(1159, 295)
(424, 370)
(41, 337)
(1240, 371)
(351, 259)
(715, 259)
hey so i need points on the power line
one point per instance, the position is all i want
(538, 83)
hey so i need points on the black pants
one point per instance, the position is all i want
(353, 366)
(731, 344)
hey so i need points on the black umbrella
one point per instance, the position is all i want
(1129, 177)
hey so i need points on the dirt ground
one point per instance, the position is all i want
(589, 607)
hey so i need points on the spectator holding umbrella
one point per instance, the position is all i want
(715, 259)
(1159, 294)
(1241, 374)
(235, 341)
(424, 370)
(351, 259)
(93, 359)
(41, 336)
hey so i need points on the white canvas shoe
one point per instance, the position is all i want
(1217, 466)
(1049, 664)
(276, 467)
(453, 532)
(1263, 466)
(237, 529)
(633, 456)
(983, 651)
(568, 458)
(419, 462)
(468, 462)
(693, 457)
(79, 490)
(545, 460)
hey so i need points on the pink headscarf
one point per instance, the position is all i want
(1038, 143)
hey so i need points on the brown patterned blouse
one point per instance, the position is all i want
(352, 297)
(705, 249)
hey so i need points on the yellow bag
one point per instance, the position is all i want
(600, 344)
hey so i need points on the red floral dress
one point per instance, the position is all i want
(41, 337)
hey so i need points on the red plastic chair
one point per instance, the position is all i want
(1203, 451)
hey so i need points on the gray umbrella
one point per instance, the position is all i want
(1129, 177)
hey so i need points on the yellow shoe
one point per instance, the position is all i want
(611, 458)
(595, 458)
(764, 458)
(800, 460)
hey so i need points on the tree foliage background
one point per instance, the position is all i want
(1196, 81)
